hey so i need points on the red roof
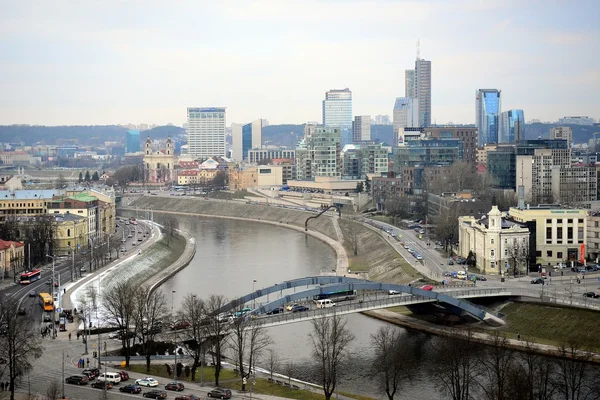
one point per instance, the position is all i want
(188, 172)
(5, 244)
(189, 164)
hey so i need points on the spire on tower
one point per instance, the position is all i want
(418, 48)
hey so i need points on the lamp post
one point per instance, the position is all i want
(172, 294)
(52, 292)
(253, 300)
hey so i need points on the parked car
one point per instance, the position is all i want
(124, 375)
(131, 389)
(102, 384)
(427, 287)
(176, 386)
(278, 310)
(450, 262)
(220, 393)
(577, 269)
(147, 381)
(90, 375)
(77, 380)
(537, 281)
(299, 308)
(94, 371)
(560, 266)
(290, 306)
(180, 325)
(591, 294)
(156, 394)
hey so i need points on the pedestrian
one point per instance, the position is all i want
(88, 362)
(519, 337)
(77, 335)
(69, 336)
(2, 386)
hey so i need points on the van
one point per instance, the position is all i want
(326, 303)
(112, 377)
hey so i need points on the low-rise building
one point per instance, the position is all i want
(82, 205)
(71, 232)
(456, 203)
(259, 176)
(12, 255)
(593, 236)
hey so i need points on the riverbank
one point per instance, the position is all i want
(375, 259)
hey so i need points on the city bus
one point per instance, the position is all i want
(30, 276)
(337, 296)
(47, 302)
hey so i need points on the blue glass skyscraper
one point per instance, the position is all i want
(512, 126)
(337, 112)
(132, 142)
(488, 115)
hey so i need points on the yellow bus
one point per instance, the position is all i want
(47, 301)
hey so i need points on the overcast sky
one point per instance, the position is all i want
(115, 62)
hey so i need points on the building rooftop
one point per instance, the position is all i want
(28, 194)
(66, 217)
(83, 197)
(5, 244)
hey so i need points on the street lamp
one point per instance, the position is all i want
(253, 300)
(52, 292)
(172, 294)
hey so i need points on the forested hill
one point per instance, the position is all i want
(81, 135)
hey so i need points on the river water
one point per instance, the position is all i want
(231, 254)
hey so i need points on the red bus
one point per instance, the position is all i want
(31, 276)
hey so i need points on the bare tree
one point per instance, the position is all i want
(352, 238)
(259, 341)
(20, 345)
(61, 182)
(150, 307)
(533, 375)
(517, 253)
(290, 369)
(193, 311)
(170, 227)
(498, 361)
(272, 361)
(216, 328)
(395, 361)
(446, 227)
(572, 371)
(53, 390)
(119, 311)
(455, 368)
(331, 340)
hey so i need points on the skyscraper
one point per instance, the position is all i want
(512, 126)
(337, 112)
(409, 83)
(246, 137)
(132, 142)
(406, 115)
(423, 90)
(206, 132)
(487, 104)
(361, 128)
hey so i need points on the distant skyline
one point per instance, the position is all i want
(119, 62)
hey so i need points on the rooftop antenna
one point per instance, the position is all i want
(418, 48)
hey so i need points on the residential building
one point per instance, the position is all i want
(409, 83)
(501, 165)
(493, 240)
(81, 204)
(428, 152)
(71, 232)
(12, 254)
(361, 128)
(466, 133)
(593, 236)
(337, 113)
(406, 115)
(245, 138)
(361, 160)
(576, 121)
(562, 133)
(386, 190)
(132, 141)
(319, 154)
(558, 234)
(488, 108)
(255, 156)
(481, 156)
(456, 203)
(423, 90)
(24, 203)
(159, 166)
(206, 132)
(15, 158)
(512, 126)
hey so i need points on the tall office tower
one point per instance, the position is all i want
(245, 138)
(512, 126)
(423, 90)
(562, 132)
(406, 115)
(382, 120)
(132, 141)
(206, 132)
(337, 112)
(361, 128)
(487, 105)
(409, 83)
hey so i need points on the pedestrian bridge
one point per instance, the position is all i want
(370, 296)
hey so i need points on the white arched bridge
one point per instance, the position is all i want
(368, 296)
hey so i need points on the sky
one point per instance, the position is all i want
(118, 62)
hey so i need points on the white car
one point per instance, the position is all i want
(147, 381)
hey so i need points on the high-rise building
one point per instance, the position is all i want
(487, 104)
(423, 90)
(382, 120)
(318, 154)
(337, 112)
(245, 138)
(132, 141)
(361, 128)
(562, 132)
(358, 160)
(466, 133)
(512, 126)
(206, 132)
(406, 115)
(409, 83)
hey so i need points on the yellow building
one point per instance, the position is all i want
(71, 231)
(12, 255)
(560, 233)
(261, 176)
(159, 166)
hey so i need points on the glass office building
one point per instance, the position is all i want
(132, 141)
(502, 165)
(512, 126)
(337, 112)
(428, 152)
(488, 108)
